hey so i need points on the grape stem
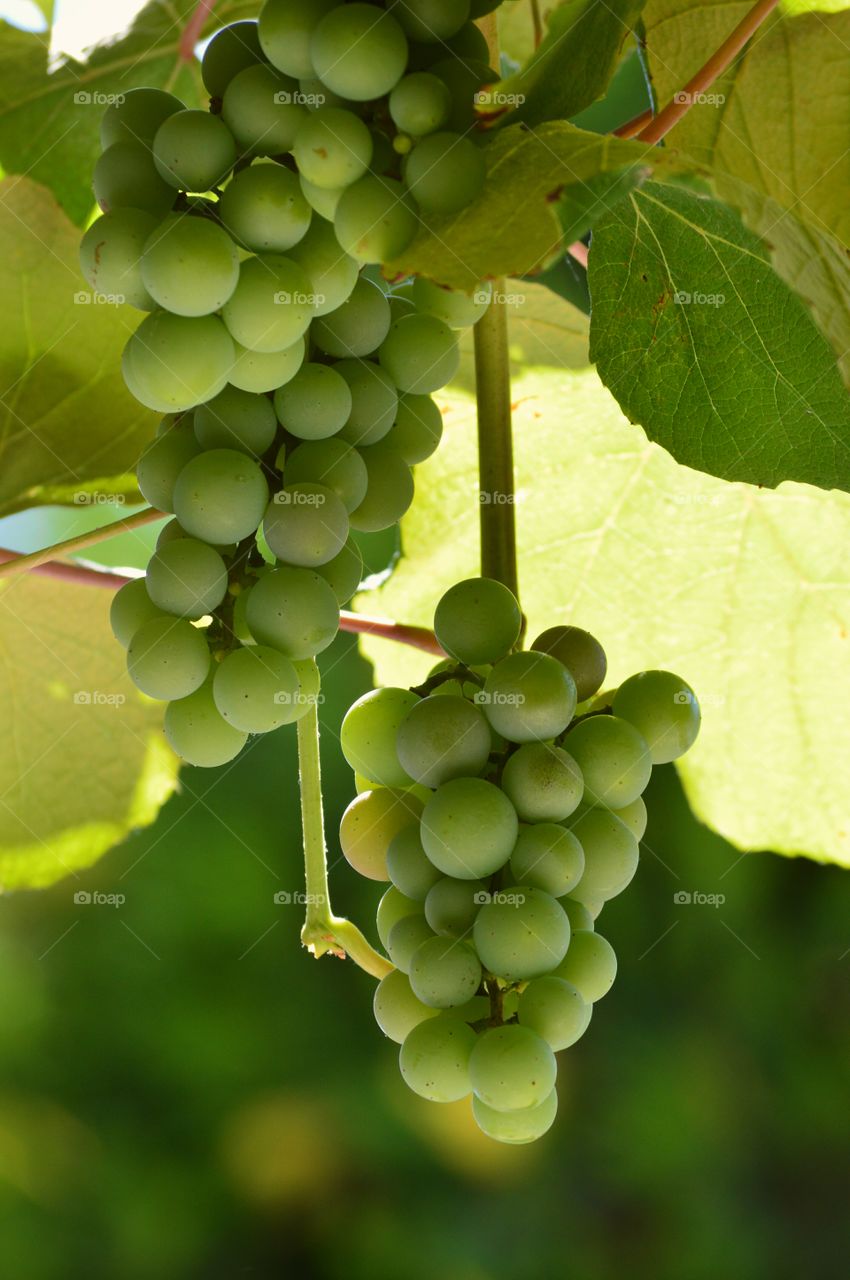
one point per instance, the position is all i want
(495, 444)
(324, 932)
(536, 22)
(24, 563)
(193, 28)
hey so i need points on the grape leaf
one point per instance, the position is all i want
(705, 346)
(83, 759)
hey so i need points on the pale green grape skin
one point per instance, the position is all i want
(110, 254)
(430, 21)
(543, 782)
(444, 972)
(260, 371)
(475, 1010)
(469, 828)
(333, 148)
(393, 906)
(137, 116)
(663, 709)
(374, 402)
(193, 150)
(368, 735)
(333, 463)
(590, 965)
(333, 274)
(405, 938)
(371, 823)
(375, 219)
(271, 307)
(397, 1010)
(579, 915)
(409, 867)
(293, 610)
(189, 266)
(417, 430)
(357, 327)
(634, 816)
(306, 524)
(420, 354)
(445, 172)
(197, 732)
(529, 697)
(236, 419)
(511, 1068)
(264, 209)
(478, 621)
(580, 652)
(389, 492)
(359, 52)
(420, 104)
(186, 578)
(168, 658)
(131, 607)
(230, 51)
(220, 496)
(610, 854)
(261, 109)
(456, 309)
(434, 1059)
(614, 759)
(161, 463)
(315, 404)
(469, 43)
(125, 177)
(555, 1010)
(175, 362)
(314, 94)
(256, 690)
(452, 905)
(443, 738)
(323, 200)
(548, 856)
(240, 621)
(516, 1127)
(285, 28)
(522, 933)
(344, 572)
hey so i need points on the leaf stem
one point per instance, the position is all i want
(23, 564)
(193, 28)
(495, 443)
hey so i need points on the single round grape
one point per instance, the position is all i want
(634, 816)
(193, 150)
(131, 607)
(405, 938)
(368, 735)
(434, 1058)
(445, 172)
(358, 326)
(516, 1127)
(374, 401)
(272, 305)
(521, 933)
(478, 8)
(262, 111)
(468, 43)
(430, 21)
(314, 94)
(256, 690)
(333, 274)
(528, 697)
(260, 371)
(285, 29)
(511, 1068)
(580, 652)
(359, 52)
(168, 658)
(293, 610)
(590, 965)
(397, 1010)
(663, 709)
(368, 827)
(344, 572)
(323, 199)
(190, 266)
(236, 419)
(613, 757)
(578, 914)
(333, 148)
(333, 463)
(469, 828)
(417, 429)
(187, 578)
(197, 732)
(263, 207)
(375, 219)
(543, 783)
(389, 492)
(230, 51)
(175, 362)
(456, 309)
(110, 254)
(409, 867)
(314, 404)
(464, 78)
(452, 905)
(136, 116)
(444, 972)
(125, 177)
(161, 463)
(240, 621)
(610, 854)
(555, 1010)
(392, 908)
(220, 496)
(401, 305)
(420, 354)
(306, 524)
(478, 621)
(420, 104)
(549, 857)
(443, 738)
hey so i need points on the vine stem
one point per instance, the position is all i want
(536, 22)
(193, 28)
(495, 444)
(23, 564)
(324, 932)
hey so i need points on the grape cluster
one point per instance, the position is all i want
(502, 800)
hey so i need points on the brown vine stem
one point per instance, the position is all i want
(193, 28)
(632, 128)
(537, 22)
(23, 564)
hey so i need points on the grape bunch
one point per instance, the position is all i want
(502, 800)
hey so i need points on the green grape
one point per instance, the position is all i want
(445, 172)
(443, 738)
(456, 309)
(344, 572)
(194, 151)
(357, 327)
(452, 905)
(420, 354)
(374, 401)
(293, 610)
(389, 492)
(511, 1068)
(375, 219)
(285, 29)
(368, 735)
(306, 524)
(516, 1127)
(110, 254)
(444, 972)
(168, 658)
(309, 682)
(132, 607)
(590, 965)
(580, 652)
(408, 866)
(369, 826)
(555, 1010)
(430, 21)
(405, 938)
(314, 94)
(333, 148)
(175, 362)
(333, 463)
(197, 732)
(323, 199)
(469, 44)
(272, 305)
(549, 857)
(190, 266)
(634, 816)
(610, 854)
(256, 690)
(260, 371)
(397, 1010)
(263, 207)
(236, 420)
(136, 116)
(614, 759)
(125, 177)
(230, 51)
(478, 621)
(187, 578)
(333, 274)
(359, 52)
(173, 532)
(528, 697)
(469, 828)
(578, 914)
(240, 621)
(463, 78)
(262, 111)
(475, 1010)
(521, 933)
(543, 783)
(220, 496)
(394, 906)
(663, 709)
(434, 1058)
(314, 404)
(479, 8)
(162, 462)
(420, 104)
(417, 429)
(401, 305)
